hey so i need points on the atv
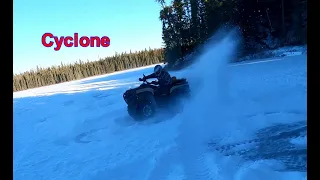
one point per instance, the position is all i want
(144, 100)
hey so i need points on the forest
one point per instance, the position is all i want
(186, 25)
(263, 24)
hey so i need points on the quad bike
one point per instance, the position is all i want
(144, 100)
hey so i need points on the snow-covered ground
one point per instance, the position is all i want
(280, 52)
(245, 121)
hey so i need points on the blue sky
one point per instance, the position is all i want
(130, 25)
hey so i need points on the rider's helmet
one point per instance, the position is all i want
(157, 69)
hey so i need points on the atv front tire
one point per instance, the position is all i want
(142, 111)
(146, 110)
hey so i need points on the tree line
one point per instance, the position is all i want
(63, 73)
(264, 24)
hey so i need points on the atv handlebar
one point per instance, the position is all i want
(145, 81)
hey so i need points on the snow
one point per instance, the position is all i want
(300, 141)
(280, 52)
(81, 130)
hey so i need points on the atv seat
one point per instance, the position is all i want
(176, 81)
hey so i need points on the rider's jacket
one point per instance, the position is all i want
(164, 77)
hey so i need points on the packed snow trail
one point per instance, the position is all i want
(81, 130)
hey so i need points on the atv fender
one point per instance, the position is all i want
(138, 91)
(177, 87)
(147, 96)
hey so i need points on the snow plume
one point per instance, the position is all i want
(210, 76)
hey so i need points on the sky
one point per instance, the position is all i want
(130, 25)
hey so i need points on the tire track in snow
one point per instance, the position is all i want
(272, 143)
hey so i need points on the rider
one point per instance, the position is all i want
(164, 79)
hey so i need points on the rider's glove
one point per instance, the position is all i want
(142, 79)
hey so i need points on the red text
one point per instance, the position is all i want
(48, 40)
